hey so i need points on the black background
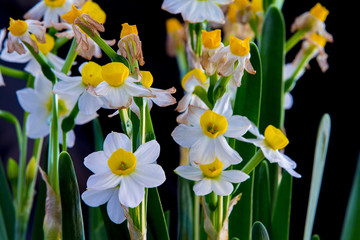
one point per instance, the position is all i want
(334, 92)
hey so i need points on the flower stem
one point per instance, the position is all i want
(70, 57)
(294, 39)
(253, 162)
(196, 218)
(11, 72)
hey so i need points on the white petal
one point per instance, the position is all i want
(221, 187)
(58, 62)
(97, 162)
(37, 11)
(163, 97)
(33, 67)
(131, 193)
(114, 209)
(234, 176)
(83, 118)
(149, 175)
(114, 141)
(186, 136)
(95, 198)
(36, 125)
(184, 102)
(223, 106)
(70, 138)
(136, 90)
(74, 87)
(203, 187)
(194, 115)
(103, 181)
(174, 6)
(29, 100)
(237, 126)
(288, 101)
(225, 153)
(147, 152)
(189, 172)
(203, 150)
(89, 103)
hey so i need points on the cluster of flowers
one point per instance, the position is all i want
(120, 173)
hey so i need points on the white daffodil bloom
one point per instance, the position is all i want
(196, 10)
(212, 177)
(118, 167)
(32, 66)
(19, 32)
(49, 10)
(192, 79)
(118, 88)
(82, 87)
(234, 59)
(206, 132)
(270, 144)
(37, 102)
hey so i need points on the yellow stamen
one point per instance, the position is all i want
(147, 78)
(197, 73)
(173, 25)
(54, 3)
(17, 27)
(122, 162)
(211, 39)
(94, 10)
(212, 170)
(319, 12)
(91, 74)
(115, 73)
(274, 138)
(71, 15)
(239, 47)
(46, 47)
(128, 29)
(318, 39)
(213, 124)
(62, 109)
(257, 6)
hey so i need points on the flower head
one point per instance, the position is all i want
(175, 36)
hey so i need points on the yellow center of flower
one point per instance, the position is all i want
(173, 25)
(232, 13)
(94, 10)
(128, 29)
(318, 39)
(147, 78)
(54, 3)
(115, 73)
(257, 6)
(319, 12)
(239, 47)
(62, 109)
(275, 138)
(91, 74)
(213, 124)
(197, 73)
(71, 15)
(122, 162)
(241, 4)
(46, 47)
(17, 27)
(211, 39)
(212, 170)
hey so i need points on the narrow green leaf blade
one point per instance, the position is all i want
(185, 209)
(71, 215)
(156, 217)
(351, 227)
(317, 173)
(259, 232)
(6, 207)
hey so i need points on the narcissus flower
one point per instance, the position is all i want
(197, 11)
(82, 87)
(206, 132)
(211, 45)
(270, 143)
(117, 167)
(212, 177)
(49, 10)
(19, 31)
(234, 59)
(118, 88)
(37, 102)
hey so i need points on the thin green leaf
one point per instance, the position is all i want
(71, 215)
(185, 209)
(7, 209)
(259, 232)
(351, 227)
(317, 173)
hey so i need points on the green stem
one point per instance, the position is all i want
(210, 93)
(181, 61)
(11, 72)
(198, 28)
(253, 162)
(70, 57)
(126, 123)
(196, 216)
(294, 39)
(191, 33)
(219, 214)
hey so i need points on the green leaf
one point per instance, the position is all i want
(280, 221)
(315, 237)
(247, 103)
(7, 210)
(351, 227)
(12, 119)
(317, 173)
(185, 209)
(71, 215)
(97, 229)
(156, 217)
(259, 232)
